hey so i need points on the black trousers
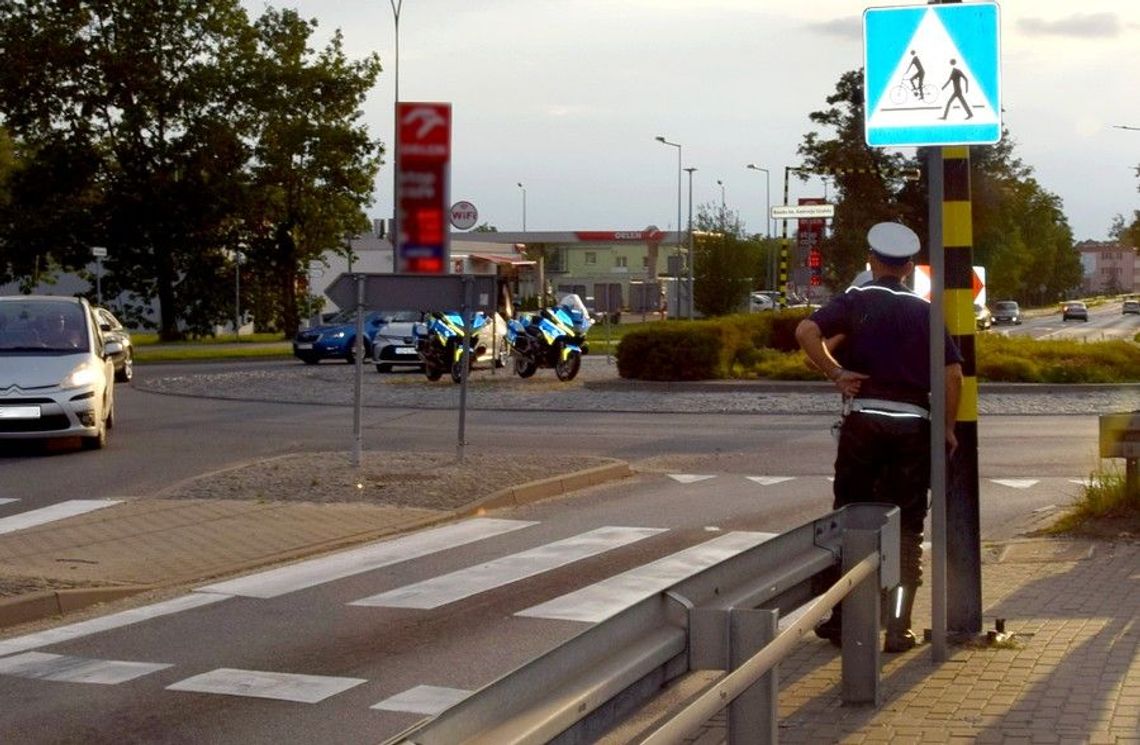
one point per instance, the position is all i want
(887, 459)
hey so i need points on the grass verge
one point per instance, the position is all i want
(1105, 509)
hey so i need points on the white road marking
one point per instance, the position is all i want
(51, 513)
(1082, 482)
(1016, 483)
(449, 588)
(283, 580)
(304, 689)
(105, 623)
(429, 700)
(770, 480)
(63, 669)
(6, 500)
(604, 599)
(690, 478)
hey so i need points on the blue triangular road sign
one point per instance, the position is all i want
(932, 75)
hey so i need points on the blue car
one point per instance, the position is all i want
(335, 339)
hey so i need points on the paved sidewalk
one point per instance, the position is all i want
(1069, 672)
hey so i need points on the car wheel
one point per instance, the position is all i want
(126, 373)
(99, 440)
(308, 359)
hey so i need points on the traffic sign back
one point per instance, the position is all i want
(932, 75)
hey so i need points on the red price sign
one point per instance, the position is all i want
(423, 160)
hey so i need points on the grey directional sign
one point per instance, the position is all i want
(445, 292)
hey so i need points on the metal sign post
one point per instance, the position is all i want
(425, 292)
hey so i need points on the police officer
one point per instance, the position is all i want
(881, 331)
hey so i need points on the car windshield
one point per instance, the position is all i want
(42, 325)
(401, 316)
(1007, 306)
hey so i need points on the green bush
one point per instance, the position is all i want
(1006, 368)
(762, 345)
(684, 351)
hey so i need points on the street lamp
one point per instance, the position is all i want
(689, 171)
(395, 236)
(524, 205)
(663, 141)
(767, 212)
(721, 185)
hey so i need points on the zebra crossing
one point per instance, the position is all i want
(20, 656)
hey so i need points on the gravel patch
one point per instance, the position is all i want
(433, 481)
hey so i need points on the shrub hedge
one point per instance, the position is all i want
(763, 346)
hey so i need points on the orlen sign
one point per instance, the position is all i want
(423, 174)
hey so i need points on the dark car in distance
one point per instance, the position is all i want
(1076, 310)
(1131, 305)
(1006, 311)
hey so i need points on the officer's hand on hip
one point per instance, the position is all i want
(848, 382)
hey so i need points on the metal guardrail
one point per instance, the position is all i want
(723, 618)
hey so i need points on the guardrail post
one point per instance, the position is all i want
(861, 623)
(753, 715)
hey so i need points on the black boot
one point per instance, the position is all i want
(832, 628)
(899, 636)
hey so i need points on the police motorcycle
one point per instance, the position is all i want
(439, 343)
(553, 337)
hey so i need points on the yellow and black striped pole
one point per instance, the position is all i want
(783, 285)
(963, 526)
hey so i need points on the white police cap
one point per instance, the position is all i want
(893, 242)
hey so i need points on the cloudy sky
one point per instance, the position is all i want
(567, 96)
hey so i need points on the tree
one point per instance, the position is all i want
(175, 133)
(314, 163)
(726, 265)
(1020, 231)
(123, 113)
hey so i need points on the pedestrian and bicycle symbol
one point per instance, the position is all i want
(932, 75)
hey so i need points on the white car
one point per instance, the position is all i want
(57, 375)
(394, 345)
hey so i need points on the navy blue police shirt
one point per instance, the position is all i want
(886, 336)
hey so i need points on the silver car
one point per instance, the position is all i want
(394, 345)
(57, 378)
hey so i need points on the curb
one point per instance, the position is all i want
(37, 606)
(45, 604)
(516, 496)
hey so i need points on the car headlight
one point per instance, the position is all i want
(337, 335)
(81, 376)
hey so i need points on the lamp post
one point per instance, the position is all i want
(689, 171)
(395, 236)
(524, 205)
(677, 276)
(237, 290)
(767, 212)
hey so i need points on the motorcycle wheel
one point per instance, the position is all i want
(457, 371)
(567, 369)
(432, 372)
(524, 367)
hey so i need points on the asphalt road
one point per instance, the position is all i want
(375, 653)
